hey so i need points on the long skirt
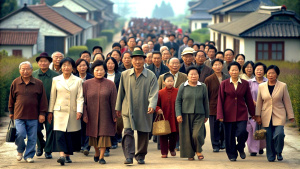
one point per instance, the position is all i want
(67, 142)
(100, 142)
(191, 134)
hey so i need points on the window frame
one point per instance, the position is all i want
(269, 43)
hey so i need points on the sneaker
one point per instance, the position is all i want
(19, 157)
(29, 160)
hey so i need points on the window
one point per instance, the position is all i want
(224, 43)
(195, 26)
(236, 46)
(17, 52)
(219, 42)
(220, 18)
(269, 50)
(204, 25)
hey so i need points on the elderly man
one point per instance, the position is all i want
(166, 55)
(126, 62)
(211, 53)
(157, 67)
(163, 48)
(137, 99)
(228, 58)
(204, 70)
(45, 75)
(148, 60)
(145, 48)
(57, 57)
(27, 104)
(187, 57)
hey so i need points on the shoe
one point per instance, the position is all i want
(215, 150)
(222, 145)
(242, 155)
(141, 161)
(191, 159)
(164, 156)
(232, 159)
(120, 140)
(96, 159)
(128, 161)
(261, 151)
(39, 152)
(173, 153)
(102, 161)
(61, 160)
(106, 153)
(86, 152)
(279, 157)
(81, 150)
(19, 157)
(48, 155)
(68, 160)
(114, 146)
(29, 160)
(253, 154)
(271, 160)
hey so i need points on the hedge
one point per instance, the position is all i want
(109, 33)
(74, 51)
(100, 41)
(200, 38)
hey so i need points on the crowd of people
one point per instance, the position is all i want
(100, 99)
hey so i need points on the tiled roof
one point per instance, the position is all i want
(200, 16)
(96, 3)
(86, 5)
(55, 18)
(18, 36)
(192, 3)
(205, 5)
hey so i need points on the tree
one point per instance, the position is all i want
(163, 11)
(293, 5)
(7, 6)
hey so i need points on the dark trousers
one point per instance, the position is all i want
(216, 132)
(84, 138)
(168, 142)
(128, 144)
(275, 140)
(41, 143)
(232, 130)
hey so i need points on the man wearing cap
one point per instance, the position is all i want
(137, 99)
(172, 43)
(45, 75)
(116, 46)
(187, 57)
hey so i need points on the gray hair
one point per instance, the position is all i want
(54, 53)
(161, 48)
(166, 50)
(145, 45)
(24, 63)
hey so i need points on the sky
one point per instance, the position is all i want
(143, 8)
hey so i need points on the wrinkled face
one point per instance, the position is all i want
(82, 67)
(99, 72)
(259, 71)
(193, 76)
(126, 59)
(116, 56)
(217, 67)
(57, 58)
(156, 59)
(149, 59)
(86, 57)
(200, 58)
(145, 48)
(131, 43)
(166, 55)
(169, 82)
(249, 69)
(174, 65)
(272, 75)
(234, 71)
(138, 62)
(240, 60)
(67, 68)
(97, 50)
(228, 56)
(43, 63)
(188, 59)
(110, 65)
(211, 53)
(25, 70)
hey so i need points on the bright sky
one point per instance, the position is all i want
(143, 8)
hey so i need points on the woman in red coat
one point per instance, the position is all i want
(166, 106)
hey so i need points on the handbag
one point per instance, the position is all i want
(11, 132)
(161, 126)
(259, 134)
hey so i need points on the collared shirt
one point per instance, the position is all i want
(157, 71)
(254, 87)
(144, 73)
(27, 101)
(51, 66)
(236, 83)
(175, 78)
(187, 83)
(111, 77)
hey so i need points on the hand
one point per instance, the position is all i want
(205, 120)
(253, 118)
(292, 120)
(50, 117)
(258, 120)
(115, 119)
(254, 103)
(85, 119)
(150, 110)
(41, 118)
(11, 116)
(78, 116)
(221, 120)
(118, 113)
(179, 119)
(160, 111)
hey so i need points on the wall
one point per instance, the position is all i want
(27, 51)
(199, 22)
(235, 16)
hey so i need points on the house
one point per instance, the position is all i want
(19, 42)
(76, 8)
(270, 33)
(199, 17)
(56, 33)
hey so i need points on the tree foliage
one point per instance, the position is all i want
(7, 6)
(163, 11)
(293, 5)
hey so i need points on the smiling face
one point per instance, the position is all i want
(240, 60)
(43, 63)
(259, 71)
(217, 67)
(249, 69)
(138, 62)
(25, 70)
(57, 57)
(67, 68)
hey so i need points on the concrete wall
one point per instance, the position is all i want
(199, 24)
(27, 51)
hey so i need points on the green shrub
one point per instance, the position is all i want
(202, 31)
(200, 37)
(74, 51)
(109, 33)
(100, 41)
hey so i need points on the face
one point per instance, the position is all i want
(228, 56)
(82, 67)
(139, 43)
(188, 59)
(211, 53)
(259, 71)
(122, 43)
(193, 76)
(171, 38)
(190, 43)
(97, 50)
(249, 69)
(116, 48)
(201, 48)
(195, 47)
(98, 57)
(131, 43)
(116, 56)
(150, 45)
(169, 82)
(174, 65)
(240, 60)
(220, 56)
(99, 72)
(145, 48)
(25, 71)
(86, 57)
(206, 49)
(234, 71)
(166, 55)
(272, 75)
(43, 63)
(126, 59)
(217, 67)
(185, 40)
(57, 58)
(200, 58)
(160, 40)
(149, 59)
(156, 59)
(138, 62)
(110, 65)
(67, 68)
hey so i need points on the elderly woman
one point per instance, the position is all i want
(240, 58)
(66, 104)
(99, 110)
(272, 106)
(255, 146)
(192, 112)
(247, 71)
(234, 103)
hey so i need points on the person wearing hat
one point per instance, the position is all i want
(45, 75)
(116, 46)
(137, 99)
(187, 57)
(172, 43)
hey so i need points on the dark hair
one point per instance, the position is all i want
(150, 41)
(229, 50)
(240, 55)
(202, 44)
(85, 52)
(212, 42)
(186, 36)
(212, 47)
(125, 53)
(114, 50)
(234, 63)
(168, 75)
(246, 64)
(156, 52)
(195, 44)
(220, 52)
(217, 60)
(99, 54)
(124, 41)
(201, 51)
(108, 54)
(276, 68)
(191, 68)
(97, 47)
(115, 62)
(98, 63)
(191, 40)
(116, 44)
(67, 59)
(78, 61)
(259, 64)
(131, 37)
(139, 40)
(138, 47)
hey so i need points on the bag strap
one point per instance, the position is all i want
(156, 118)
(11, 122)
